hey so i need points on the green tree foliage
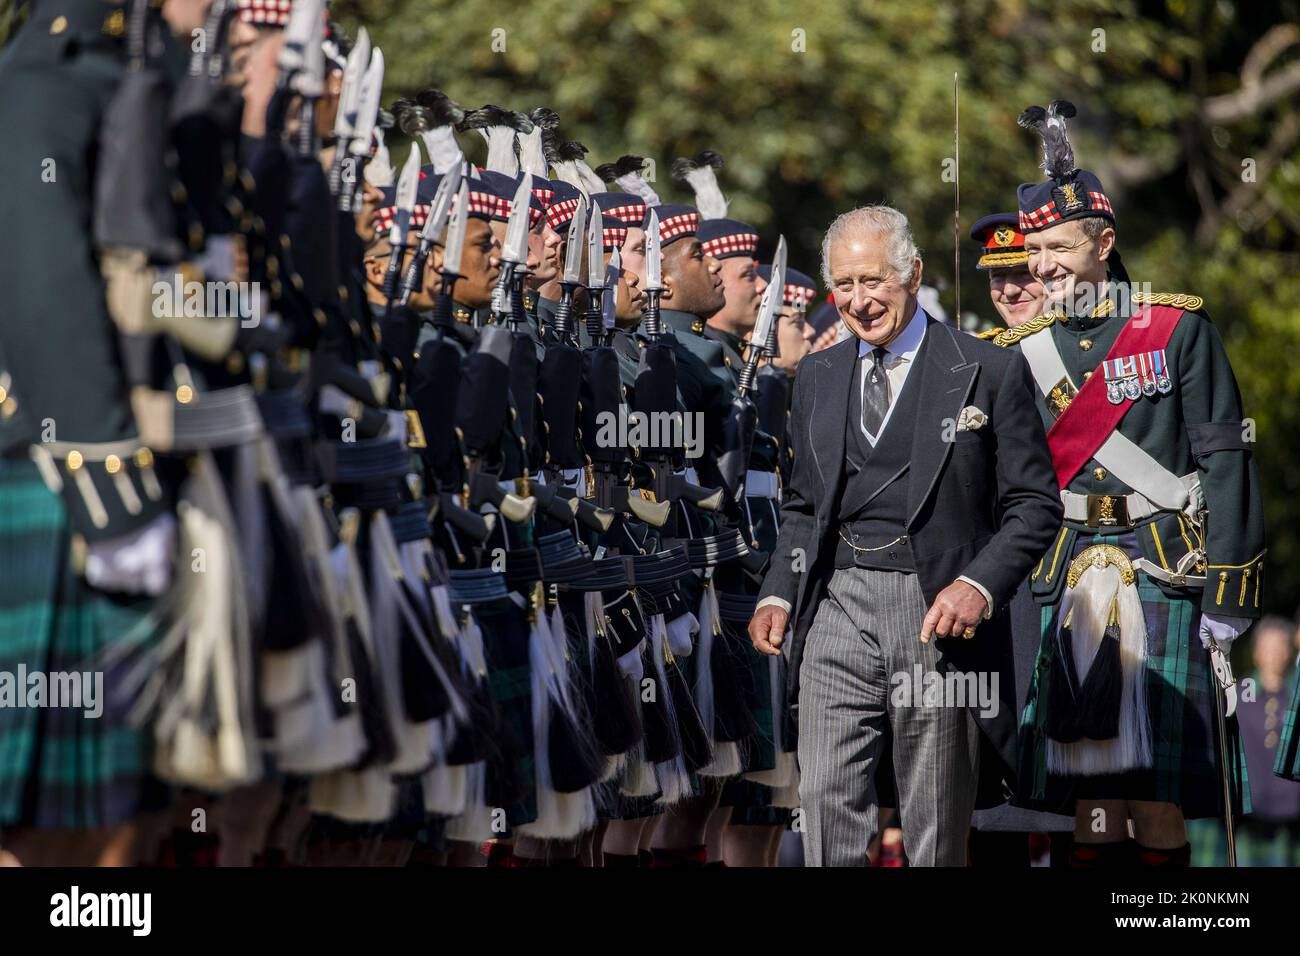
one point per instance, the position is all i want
(1188, 112)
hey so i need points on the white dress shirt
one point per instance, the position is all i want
(901, 355)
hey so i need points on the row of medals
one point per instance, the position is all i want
(1143, 382)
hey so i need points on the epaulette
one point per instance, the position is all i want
(1179, 300)
(1009, 337)
(989, 333)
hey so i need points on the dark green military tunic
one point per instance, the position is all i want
(1195, 428)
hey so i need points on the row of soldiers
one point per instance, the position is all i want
(399, 505)
(403, 505)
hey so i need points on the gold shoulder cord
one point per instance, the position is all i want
(1008, 337)
(1179, 300)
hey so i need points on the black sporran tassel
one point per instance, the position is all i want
(617, 717)
(1099, 697)
(1062, 721)
(423, 695)
(733, 691)
(660, 744)
(575, 764)
(381, 746)
(695, 742)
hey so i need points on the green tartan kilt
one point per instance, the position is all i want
(58, 767)
(511, 776)
(1287, 762)
(1180, 699)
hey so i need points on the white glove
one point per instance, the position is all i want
(137, 563)
(1222, 630)
(680, 630)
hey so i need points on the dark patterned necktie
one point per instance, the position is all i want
(875, 394)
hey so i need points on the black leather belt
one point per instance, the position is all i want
(360, 462)
(736, 607)
(476, 586)
(658, 568)
(523, 569)
(216, 419)
(716, 549)
(410, 522)
(662, 599)
(284, 412)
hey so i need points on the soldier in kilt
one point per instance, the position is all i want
(763, 798)
(79, 568)
(1158, 562)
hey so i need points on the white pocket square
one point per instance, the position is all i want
(971, 419)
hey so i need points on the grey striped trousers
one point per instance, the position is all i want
(865, 632)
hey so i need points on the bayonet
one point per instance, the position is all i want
(514, 255)
(571, 278)
(407, 185)
(595, 272)
(654, 276)
(452, 252)
(762, 341)
(349, 99)
(609, 305)
(435, 223)
(363, 130)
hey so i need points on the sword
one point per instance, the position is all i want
(1225, 705)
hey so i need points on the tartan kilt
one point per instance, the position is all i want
(511, 772)
(1287, 762)
(1180, 700)
(58, 767)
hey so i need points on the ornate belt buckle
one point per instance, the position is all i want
(1107, 511)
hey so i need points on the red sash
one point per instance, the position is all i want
(1091, 418)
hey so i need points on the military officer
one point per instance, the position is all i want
(1017, 295)
(1159, 561)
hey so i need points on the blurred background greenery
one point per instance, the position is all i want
(1189, 110)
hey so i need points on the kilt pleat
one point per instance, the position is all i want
(58, 767)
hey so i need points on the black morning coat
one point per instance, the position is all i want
(983, 503)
